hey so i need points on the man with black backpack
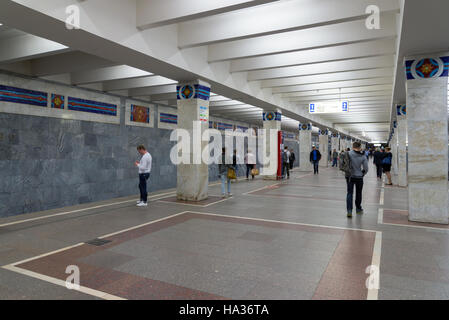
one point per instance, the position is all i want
(355, 166)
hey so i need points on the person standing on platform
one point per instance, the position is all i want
(378, 156)
(315, 157)
(223, 170)
(144, 166)
(386, 164)
(292, 159)
(334, 158)
(286, 163)
(250, 161)
(355, 166)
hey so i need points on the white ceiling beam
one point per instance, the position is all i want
(365, 89)
(148, 91)
(155, 13)
(67, 62)
(107, 74)
(331, 77)
(342, 96)
(219, 98)
(137, 83)
(328, 54)
(334, 85)
(27, 47)
(331, 35)
(225, 103)
(326, 67)
(279, 17)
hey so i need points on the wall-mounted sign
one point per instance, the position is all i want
(329, 107)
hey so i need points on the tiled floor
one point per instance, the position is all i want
(285, 239)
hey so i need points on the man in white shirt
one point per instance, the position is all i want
(144, 174)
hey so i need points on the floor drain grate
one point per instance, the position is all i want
(97, 242)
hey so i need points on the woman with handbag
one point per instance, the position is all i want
(250, 161)
(226, 172)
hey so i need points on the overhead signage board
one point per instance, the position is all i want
(329, 107)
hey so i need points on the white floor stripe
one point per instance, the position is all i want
(89, 291)
(79, 210)
(286, 222)
(380, 216)
(373, 293)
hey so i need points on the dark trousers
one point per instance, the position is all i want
(315, 166)
(358, 182)
(143, 177)
(291, 165)
(286, 167)
(334, 162)
(379, 170)
(249, 167)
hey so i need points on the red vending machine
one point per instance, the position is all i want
(280, 149)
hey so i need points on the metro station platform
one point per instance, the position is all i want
(287, 239)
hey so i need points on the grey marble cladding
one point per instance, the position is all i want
(47, 163)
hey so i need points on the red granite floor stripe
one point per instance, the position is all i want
(355, 246)
(401, 217)
(345, 275)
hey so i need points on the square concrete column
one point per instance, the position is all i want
(305, 147)
(324, 146)
(335, 142)
(402, 144)
(193, 116)
(427, 94)
(272, 125)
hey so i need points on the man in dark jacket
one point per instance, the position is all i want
(378, 157)
(315, 157)
(292, 158)
(358, 169)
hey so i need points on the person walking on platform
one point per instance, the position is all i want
(315, 157)
(386, 164)
(334, 158)
(292, 158)
(355, 166)
(250, 161)
(286, 163)
(224, 170)
(144, 166)
(378, 156)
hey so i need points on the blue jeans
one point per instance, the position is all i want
(143, 177)
(315, 166)
(334, 162)
(224, 177)
(358, 182)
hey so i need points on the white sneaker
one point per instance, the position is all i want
(229, 194)
(139, 201)
(142, 204)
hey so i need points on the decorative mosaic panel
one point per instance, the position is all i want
(427, 68)
(224, 126)
(92, 106)
(305, 126)
(401, 110)
(140, 114)
(18, 95)
(57, 101)
(272, 116)
(190, 91)
(168, 118)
